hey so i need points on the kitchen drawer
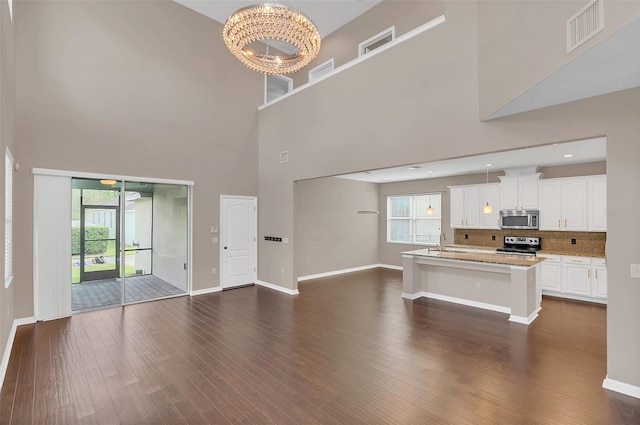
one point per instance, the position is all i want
(551, 258)
(577, 260)
(599, 262)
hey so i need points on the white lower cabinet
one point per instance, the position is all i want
(599, 278)
(583, 278)
(551, 273)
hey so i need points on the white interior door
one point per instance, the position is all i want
(239, 243)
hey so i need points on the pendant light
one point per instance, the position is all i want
(430, 208)
(487, 208)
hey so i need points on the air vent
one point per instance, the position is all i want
(378, 40)
(585, 24)
(321, 70)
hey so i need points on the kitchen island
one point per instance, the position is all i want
(498, 282)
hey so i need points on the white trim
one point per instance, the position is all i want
(321, 67)
(400, 39)
(412, 296)
(9, 346)
(80, 174)
(524, 320)
(195, 292)
(372, 40)
(287, 80)
(337, 272)
(278, 288)
(574, 297)
(391, 266)
(190, 239)
(621, 387)
(461, 301)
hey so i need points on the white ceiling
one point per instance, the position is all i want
(583, 151)
(327, 15)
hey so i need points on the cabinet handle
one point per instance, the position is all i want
(589, 274)
(466, 222)
(596, 273)
(462, 222)
(565, 223)
(558, 223)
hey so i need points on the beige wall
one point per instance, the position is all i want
(141, 88)
(330, 235)
(431, 113)
(342, 45)
(522, 42)
(7, 139)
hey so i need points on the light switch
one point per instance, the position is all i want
(214, 239)
(635, 271)
(214, 229)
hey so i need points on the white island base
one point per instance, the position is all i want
(506, 284)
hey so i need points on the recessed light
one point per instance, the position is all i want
(569, 155)
(414, 167)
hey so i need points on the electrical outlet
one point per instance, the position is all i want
(478, 285)
(466, 236)
(493, 237)
(213, 270)
(573, 241)
(214, 239)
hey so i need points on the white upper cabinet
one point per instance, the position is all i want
(573, 204)
(467, 203)
(519, 191)
(490, 193)
(597, 201)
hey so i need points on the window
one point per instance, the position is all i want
(408, 221)
(8, 218)
(276, 86)
(376, 41)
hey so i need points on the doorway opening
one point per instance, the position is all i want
(129, 242)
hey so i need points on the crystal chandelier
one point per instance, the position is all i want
(275, 22)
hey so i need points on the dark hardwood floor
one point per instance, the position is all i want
(347, 350)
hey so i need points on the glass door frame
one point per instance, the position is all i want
(99, 274)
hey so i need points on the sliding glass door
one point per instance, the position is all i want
(129, 242)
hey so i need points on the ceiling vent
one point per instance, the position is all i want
(586, 23)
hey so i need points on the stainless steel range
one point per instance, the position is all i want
(521, 245)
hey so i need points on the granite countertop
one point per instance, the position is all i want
(506, 259)
(541, 252)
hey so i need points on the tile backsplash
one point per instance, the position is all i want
(585, 242)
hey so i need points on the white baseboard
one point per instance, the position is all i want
(205, 291)
(9, 346)
(390, 266)
(337, 272)
(413, 296)
(621, 387)
(461, 301)
(524, 320)
(574, 297)
(277, 287)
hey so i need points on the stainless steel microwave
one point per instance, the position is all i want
(519, 219)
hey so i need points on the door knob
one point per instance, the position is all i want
(225, 247)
